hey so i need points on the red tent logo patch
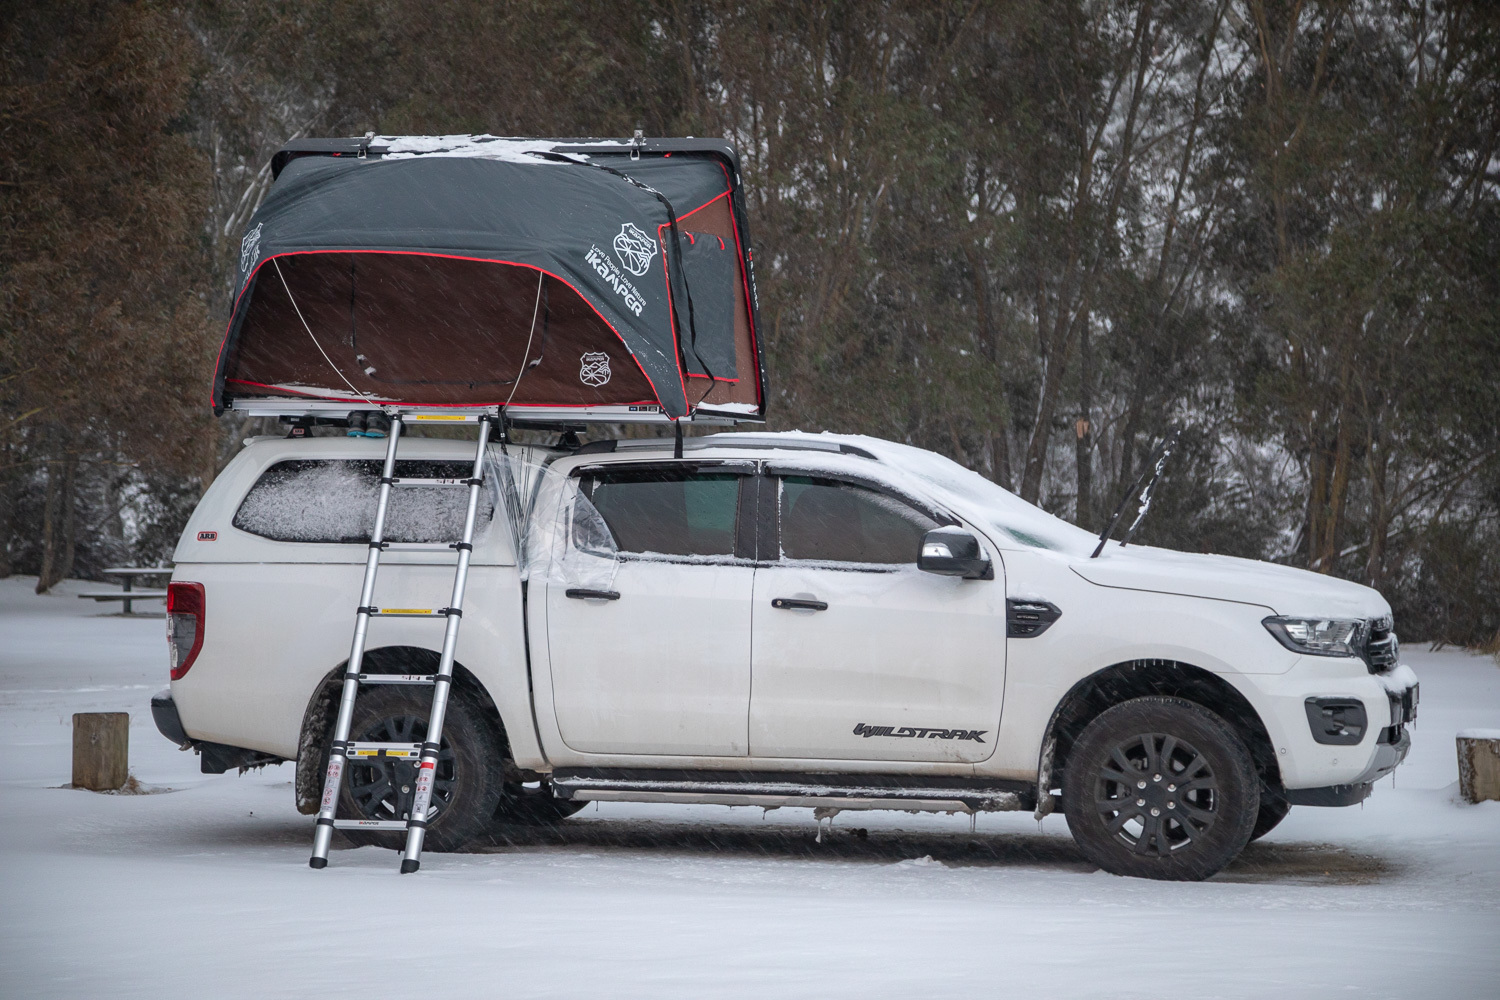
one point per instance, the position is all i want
(594, 369)
(635, 249)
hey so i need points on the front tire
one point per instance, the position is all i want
(467, 785)
(1160, 788)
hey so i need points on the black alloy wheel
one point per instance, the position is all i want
(467, 783)
(383, 787)
(1160, 788)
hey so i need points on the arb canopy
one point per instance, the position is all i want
(560, 278)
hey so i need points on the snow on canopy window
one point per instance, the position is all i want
(668, 511)
(334, 500)
(834, 521)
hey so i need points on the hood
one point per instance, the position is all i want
(1284, 589)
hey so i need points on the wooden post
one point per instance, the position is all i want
(1479, 765)
(101, 750)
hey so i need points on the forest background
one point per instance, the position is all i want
(1032, 235)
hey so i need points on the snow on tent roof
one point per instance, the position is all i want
(598, 278)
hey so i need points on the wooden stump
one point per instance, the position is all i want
(1479, 765)
(101, 750)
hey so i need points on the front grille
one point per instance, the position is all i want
(1378, 646)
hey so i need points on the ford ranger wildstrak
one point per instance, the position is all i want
(787, 619)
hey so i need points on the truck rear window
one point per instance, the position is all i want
(333, 500)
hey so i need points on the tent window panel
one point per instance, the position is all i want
(712, 272)
(669, 512)
(423, 329)
(827, 520)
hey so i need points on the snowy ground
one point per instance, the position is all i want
(203, 888)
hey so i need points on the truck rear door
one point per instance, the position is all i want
(655, 659)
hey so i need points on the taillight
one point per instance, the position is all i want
(185, 606)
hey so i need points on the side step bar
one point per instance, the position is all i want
(773, 791)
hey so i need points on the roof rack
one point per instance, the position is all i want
(727, 441)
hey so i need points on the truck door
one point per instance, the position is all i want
(657, 661)
(858, 655)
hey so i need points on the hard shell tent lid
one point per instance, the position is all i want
(561, 278)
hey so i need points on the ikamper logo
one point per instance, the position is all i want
(594, 368)
(635, 249)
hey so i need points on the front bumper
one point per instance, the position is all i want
(1388, 756)
(1313, 766)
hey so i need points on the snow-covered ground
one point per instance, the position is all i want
(202, 889)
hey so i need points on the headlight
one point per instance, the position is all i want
(1316, 636)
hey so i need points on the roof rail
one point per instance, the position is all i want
(727, 441)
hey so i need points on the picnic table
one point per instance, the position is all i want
(126, 593)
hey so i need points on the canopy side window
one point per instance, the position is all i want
(836, 521)
(682, 513)
(334, 500)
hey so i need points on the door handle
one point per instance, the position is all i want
(798, 604)
(584, 594)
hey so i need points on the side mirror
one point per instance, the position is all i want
(954, 552)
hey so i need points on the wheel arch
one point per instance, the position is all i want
(322, 710)
(1121, 682)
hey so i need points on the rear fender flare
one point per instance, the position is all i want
(322, 711)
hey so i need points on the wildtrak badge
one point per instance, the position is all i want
(919, 732)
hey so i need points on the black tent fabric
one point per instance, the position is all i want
(478, 271)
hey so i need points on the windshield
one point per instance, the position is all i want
(1011, 517)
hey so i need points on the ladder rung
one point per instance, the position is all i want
(419, 546)
(396, 678)
(401, 751)
(369, 824)
(409, 613)
(430, 482)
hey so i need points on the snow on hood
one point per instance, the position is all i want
(1018, 524)
(1284, 589)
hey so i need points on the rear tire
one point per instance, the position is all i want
(468, 783)
(1160, 788)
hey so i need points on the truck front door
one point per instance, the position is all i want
(858, 655)
(657, 660)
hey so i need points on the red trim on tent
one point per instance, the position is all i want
(686, 374)
(760, 390)
(481, 260)
(663, 244)
(707, 203)
(457, 406)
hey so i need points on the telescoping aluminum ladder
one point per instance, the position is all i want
(342, 749)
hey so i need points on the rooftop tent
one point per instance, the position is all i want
(585, 279)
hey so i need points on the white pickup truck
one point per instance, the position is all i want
(776, 620)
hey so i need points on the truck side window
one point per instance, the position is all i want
(333, 500)
(833, 521)
(668, 511)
